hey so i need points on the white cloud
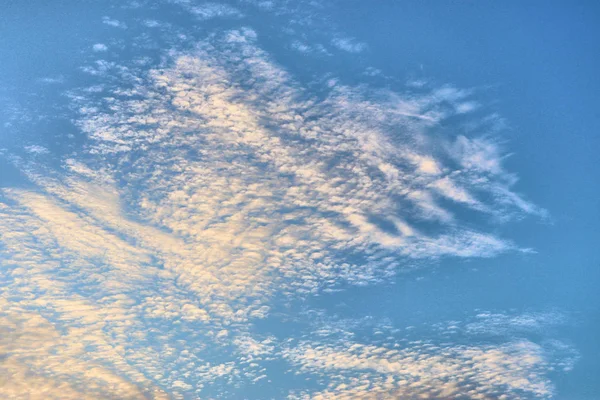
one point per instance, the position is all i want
(502, 323)
(36, 149)
(152, 23)
(206, 11)
(99, 47)
(113, 22)
(52, 80)
(306, 48)
(348, 44)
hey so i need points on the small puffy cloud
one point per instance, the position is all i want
(192, 312)
(206, 11)
(113, 22)
(348, 44)
(152, 23)
(372, 71)
(99, 47)
(36, 149)
(305, 48)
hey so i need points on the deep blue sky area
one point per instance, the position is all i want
(303, 200)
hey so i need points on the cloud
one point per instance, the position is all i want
(348, 44)
(305, 48)
(36, 149)
(209, 10)
(113, 22)
(40, 362)
(152, 23)
(216, 182)
(52, 80)
(267, 154)
(95, 301)
(424, 370)
(408, 363)
(99, 47)
(502, 323)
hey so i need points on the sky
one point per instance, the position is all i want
(271, 199)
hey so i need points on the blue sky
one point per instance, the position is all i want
(299, 200)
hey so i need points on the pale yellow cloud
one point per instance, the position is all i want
(41, 362)
(424, 371)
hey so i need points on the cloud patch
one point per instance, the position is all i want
(349, 45)
(99, 47)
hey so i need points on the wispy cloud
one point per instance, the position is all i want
(210, 10)
(215, 182)
(52, 80)
(349, 45)
(36, 149)
(113, 22)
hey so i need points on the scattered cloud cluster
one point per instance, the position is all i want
(424, 370)
(417, 362)
(215, 182)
